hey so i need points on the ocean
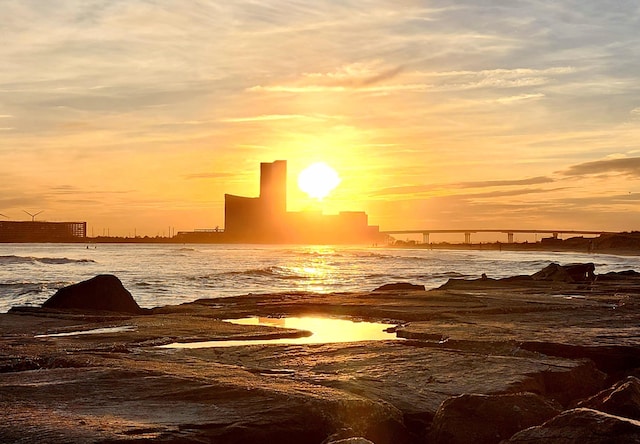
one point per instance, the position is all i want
(162, 274)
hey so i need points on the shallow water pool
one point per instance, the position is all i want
(324, 331)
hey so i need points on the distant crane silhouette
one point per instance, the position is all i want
(33, 216)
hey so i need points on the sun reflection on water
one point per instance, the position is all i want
(324, 331)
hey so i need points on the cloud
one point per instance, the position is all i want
(496, 78)
(372, 76)
(519, 98)
(506, 183)
(376, 77)
(355, 75)
(440, 188)
(338, 89)
(628, 166)
(75, 190)
(273, 117)
(210, 175)
(511, 193)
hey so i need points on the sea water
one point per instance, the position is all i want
(162, 274)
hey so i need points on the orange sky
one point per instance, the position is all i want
(137, 116)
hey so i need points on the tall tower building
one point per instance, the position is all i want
(273, 187)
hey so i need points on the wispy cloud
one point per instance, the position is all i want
(373, 76)
(625, 166)
(355, 75)
(274, 117)
(506, 183)
(519, 98)
(450, 188)
(210, 175)
(496, 78)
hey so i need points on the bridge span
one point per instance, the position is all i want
(467, 233)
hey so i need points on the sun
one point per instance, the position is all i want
(318, 180)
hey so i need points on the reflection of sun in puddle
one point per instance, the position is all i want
(325, 330)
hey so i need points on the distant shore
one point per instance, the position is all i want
(622, 243)
(519, 246)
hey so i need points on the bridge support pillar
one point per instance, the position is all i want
(555, 235)
(510, 238)
(425, 238)
(467, 238)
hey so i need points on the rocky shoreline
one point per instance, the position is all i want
(552, 357)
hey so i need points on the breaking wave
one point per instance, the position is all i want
(266, 272)
(42, 260)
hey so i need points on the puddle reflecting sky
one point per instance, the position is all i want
(325, 330)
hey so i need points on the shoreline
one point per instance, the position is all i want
(622, 243)
(552, 339)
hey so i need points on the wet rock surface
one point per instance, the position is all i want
(469, 351)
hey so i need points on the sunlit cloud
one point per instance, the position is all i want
(338, 89)
(451, 187)
(497, 78)
(209, 175)
(355, 75)
(272, 117)
(625, 166)
(519, 98)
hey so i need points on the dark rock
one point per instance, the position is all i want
(566, 273)
(567, 387)
(581, 426)
(485, 282)
(104, 292)
(622, 399)
(619, 275)
(400, 286)
(487, 419)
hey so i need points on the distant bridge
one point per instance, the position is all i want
(509, 233)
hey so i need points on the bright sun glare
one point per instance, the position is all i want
(318, 180)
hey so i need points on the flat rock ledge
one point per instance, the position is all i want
(487, 361)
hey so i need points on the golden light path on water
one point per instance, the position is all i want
(325, 330)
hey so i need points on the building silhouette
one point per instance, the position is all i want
(259, 219)
(265, 219)
(36, 231)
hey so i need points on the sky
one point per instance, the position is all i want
(137, 116)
